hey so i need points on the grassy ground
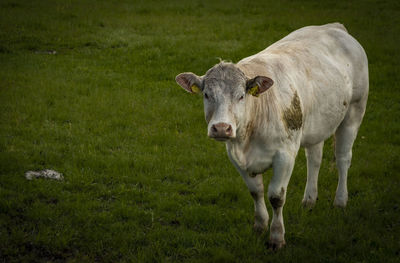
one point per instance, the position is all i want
(143, 183)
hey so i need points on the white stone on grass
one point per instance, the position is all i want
(50, 174)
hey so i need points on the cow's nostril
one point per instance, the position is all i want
(221, 130)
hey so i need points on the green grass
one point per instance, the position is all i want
(143, 183)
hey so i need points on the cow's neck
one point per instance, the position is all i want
(262, 115)
(257, 136)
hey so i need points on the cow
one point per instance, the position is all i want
(297, 92)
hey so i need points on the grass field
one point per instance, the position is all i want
(87, 88)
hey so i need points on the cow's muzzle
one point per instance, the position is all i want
(221, 131)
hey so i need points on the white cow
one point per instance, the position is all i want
(297, 92)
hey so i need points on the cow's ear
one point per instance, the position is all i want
(190, 82)
(258, 85)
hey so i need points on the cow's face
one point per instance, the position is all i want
(225, 91)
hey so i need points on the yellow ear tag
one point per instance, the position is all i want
(195, 89)
(254, 91)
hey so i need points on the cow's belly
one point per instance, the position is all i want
(325, 116)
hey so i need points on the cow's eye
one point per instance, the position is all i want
(206, 96)
(241, 97)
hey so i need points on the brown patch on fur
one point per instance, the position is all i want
(249, 129)
(292, 116)
(254, 195)
(277, 201)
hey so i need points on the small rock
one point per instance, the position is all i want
(50, 174)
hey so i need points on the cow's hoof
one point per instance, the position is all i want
(260, 228)
(340, 202)
(341, 198)
(276, 245)
(308, 203)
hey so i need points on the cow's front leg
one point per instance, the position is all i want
(283, 166)
(256, 187)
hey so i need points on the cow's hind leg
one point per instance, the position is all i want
(256, 187)
(314, 157)
(345, 136)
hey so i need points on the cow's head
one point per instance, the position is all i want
(225, 91)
